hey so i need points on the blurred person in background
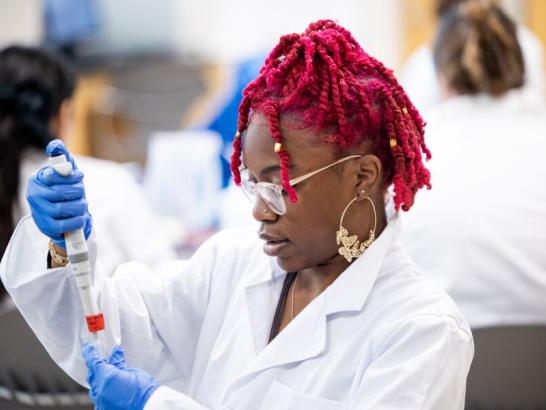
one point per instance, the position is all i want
(420, 78)
(481, 231)
(322, 309)
(36, 90)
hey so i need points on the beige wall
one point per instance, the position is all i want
(535, 18)
(418, 23)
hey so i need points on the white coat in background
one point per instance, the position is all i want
(420, 80)
(183, 176)
(235, 210)
(380, 337)
(123, 221)
(481, 230)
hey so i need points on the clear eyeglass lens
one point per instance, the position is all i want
(269, 194)
(272, 198)
(249, 189)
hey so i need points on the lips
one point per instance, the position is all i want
(273, 245)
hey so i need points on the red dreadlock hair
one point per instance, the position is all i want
(327, 79)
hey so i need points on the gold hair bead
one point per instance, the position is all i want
(393, 142)
(405, 110)
(278, 147)
(237, 134)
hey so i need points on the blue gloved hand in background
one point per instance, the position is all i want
(113, 384)
(57, 202)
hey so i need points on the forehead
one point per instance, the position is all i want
(305, 146)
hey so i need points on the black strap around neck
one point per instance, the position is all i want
(290, 277)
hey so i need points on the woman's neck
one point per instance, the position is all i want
(318, 278)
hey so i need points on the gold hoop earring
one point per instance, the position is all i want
(351, 248)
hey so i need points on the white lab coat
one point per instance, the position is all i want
(379, 337)
(481, 230)
(123, 221)
(420, 80)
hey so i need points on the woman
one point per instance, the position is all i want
(480, 232)
(29, 106)
(420, 79)
(36, 106)
(327, 313)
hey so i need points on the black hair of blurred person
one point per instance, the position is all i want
(34, 83)
(476, 49)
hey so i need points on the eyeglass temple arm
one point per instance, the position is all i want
(297, 180)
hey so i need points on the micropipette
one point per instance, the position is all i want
(78, 255)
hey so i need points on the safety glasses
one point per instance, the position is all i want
(274, 194)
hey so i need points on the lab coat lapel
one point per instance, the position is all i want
(302, 339)
(351, 290)
(261, 300)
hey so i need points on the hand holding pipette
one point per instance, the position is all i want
(57, 200)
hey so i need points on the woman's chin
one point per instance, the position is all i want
(290, 264)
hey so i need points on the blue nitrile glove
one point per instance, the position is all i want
(114, 385)
(57, 202)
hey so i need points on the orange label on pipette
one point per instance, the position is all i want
(95, 323)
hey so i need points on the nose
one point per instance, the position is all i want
(262, 213)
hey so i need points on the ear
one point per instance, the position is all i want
(367, 175)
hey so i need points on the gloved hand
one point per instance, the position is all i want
(57, 202)
(113, 384)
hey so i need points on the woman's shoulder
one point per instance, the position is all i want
(407, 294)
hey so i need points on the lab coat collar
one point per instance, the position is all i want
(351, 289)
(305, 336)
